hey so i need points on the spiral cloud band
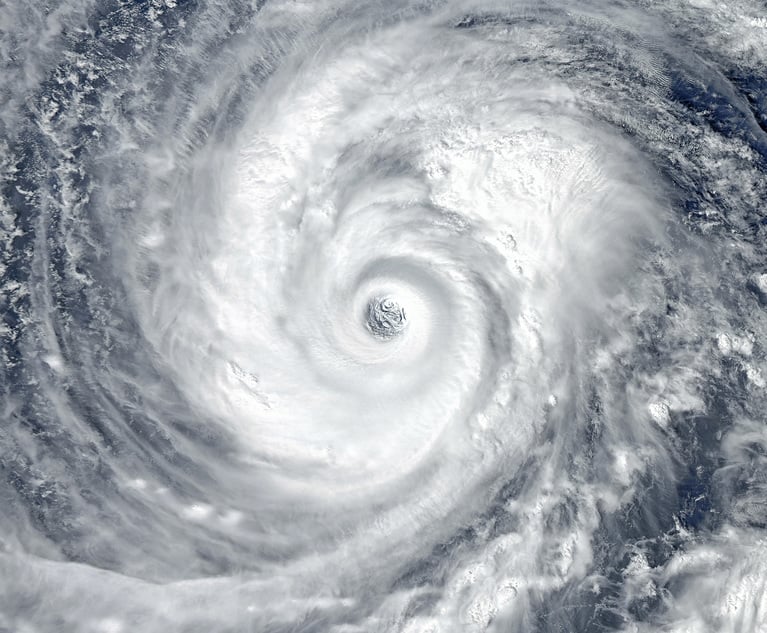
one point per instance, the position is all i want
(383, 316)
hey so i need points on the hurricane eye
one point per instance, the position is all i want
(386, 318)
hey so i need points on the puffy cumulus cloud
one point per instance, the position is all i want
(383, 317)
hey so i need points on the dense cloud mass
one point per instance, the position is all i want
(355, 317)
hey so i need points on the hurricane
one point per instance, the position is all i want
(355, 317)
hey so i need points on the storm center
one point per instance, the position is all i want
(385, 317)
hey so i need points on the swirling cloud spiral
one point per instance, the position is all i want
(353, 317)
